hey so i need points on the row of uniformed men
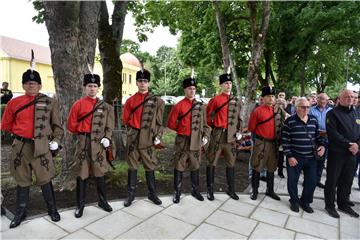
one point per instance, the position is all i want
(35, 122)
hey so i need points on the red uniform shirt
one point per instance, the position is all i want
(221, 117)
(183, 127)
(79, 109)
(23, 124)
(265, 130)
(133, 120)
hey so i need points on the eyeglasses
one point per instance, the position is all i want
(142, 80)
(304, 107)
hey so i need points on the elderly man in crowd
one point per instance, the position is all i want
(319, 111)
(301, 142)
(343, 129)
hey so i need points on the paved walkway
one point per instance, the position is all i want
(223, 218)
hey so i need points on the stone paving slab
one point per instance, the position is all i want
(267, 231)
(207, 231)
(160, 226)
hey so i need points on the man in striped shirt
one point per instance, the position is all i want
(300, 139)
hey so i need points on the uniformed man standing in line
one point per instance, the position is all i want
(143, 116)
(35, 122)
(226, 125)
(266, 124)
(188, 119)
(92, 120)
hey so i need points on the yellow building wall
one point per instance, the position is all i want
(12, 70)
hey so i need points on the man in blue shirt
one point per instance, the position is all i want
(319, 111)
(301, 141)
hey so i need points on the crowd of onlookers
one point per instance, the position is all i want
(311, 117)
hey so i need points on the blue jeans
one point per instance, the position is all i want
(308, 166)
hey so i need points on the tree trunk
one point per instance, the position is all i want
(257, 44)
(110, 37)
(225, 48)
(72, 28)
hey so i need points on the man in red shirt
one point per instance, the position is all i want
(264, 124)
(143, 116)
(92, 120)
(188, 119)
(35, 122)
(226, 124)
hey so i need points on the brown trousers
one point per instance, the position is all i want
(218, 143)
(136, 156)
(264, 156)
(183, 158)
(88, 166)
(23, 163)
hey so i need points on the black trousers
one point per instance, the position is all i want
(340, 172)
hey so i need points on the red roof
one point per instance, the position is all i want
(18, 49)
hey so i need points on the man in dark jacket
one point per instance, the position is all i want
(343, 128)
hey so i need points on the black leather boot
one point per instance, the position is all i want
(101, 190)
(210, 174)
(49, 197)
(80, 197)
(150, 180)
(230, 177)
(177, 185)
(270, 186)
(22, 199)
(255, 179)
(132, 180)
(195, 185)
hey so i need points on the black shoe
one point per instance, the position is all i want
(270, 186)
(105, 206)
(281, 175)
(253, 195)
(3, 212)
(194, 175)
(320, 185)
(80, 196)
(49, 197)
(210, 174)
(349, 210)
(132, 180)
(263, 178)
(150, 181)
(22, 199)
(17, 219)
(307, 208)
(197, 195)
(294, 207)
(79, 211)
(177, 185)
(332, 212)
(230, 178)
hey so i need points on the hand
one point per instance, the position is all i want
(354, 148)
(105, 142)
(157, 141)
(53, 145)
(321, 151)
(238, 136)
(292, 162)
(204, 141)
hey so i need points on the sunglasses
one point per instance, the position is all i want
(304, 107)
(142, 80)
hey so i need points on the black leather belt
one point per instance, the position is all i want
(221, 129)
(264, 139)
(25, 140)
